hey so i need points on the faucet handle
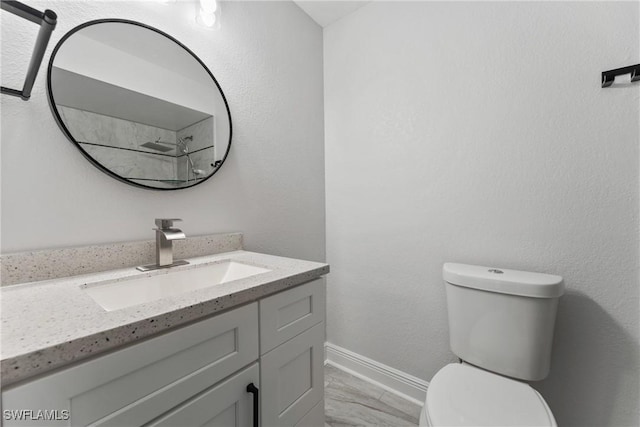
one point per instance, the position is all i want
(164, 223)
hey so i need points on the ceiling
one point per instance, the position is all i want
(327, 12)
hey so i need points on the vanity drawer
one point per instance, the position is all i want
(288, 313)
(134, 385)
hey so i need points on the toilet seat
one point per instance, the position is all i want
(463, 395)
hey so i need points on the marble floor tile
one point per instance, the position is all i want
(345, 382)
(350, 401)
(403, 405)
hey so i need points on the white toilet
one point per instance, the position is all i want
(501, 327)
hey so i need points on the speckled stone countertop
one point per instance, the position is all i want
(65, 262)
(52, 323)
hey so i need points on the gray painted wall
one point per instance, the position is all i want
(478, 133)
(267, 56)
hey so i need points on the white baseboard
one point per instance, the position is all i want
(404, 385)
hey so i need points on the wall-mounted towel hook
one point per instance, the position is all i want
(47, 21)
(609, 76)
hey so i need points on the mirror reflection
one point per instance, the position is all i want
(139, 105)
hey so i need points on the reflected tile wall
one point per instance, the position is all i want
(92, 128)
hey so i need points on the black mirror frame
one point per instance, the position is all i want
(67, 133)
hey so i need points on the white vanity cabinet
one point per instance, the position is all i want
(196, 375)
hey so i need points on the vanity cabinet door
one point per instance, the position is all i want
(314, 418)
(227, 404)
(292, 379)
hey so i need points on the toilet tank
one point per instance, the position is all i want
(502, 320)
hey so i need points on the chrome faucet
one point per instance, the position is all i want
(165, 235)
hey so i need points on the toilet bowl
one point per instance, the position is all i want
(463, 395)
(501, 326)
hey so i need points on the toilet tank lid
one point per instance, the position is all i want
(502, 280)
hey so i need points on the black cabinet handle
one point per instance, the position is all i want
(256, 403)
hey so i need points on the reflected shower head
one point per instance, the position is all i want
(158, 145)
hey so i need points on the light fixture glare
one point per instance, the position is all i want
(208, 6)
(206, 19)
(208, 14)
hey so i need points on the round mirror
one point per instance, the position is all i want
(139, 104)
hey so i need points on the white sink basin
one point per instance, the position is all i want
(116, 295)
